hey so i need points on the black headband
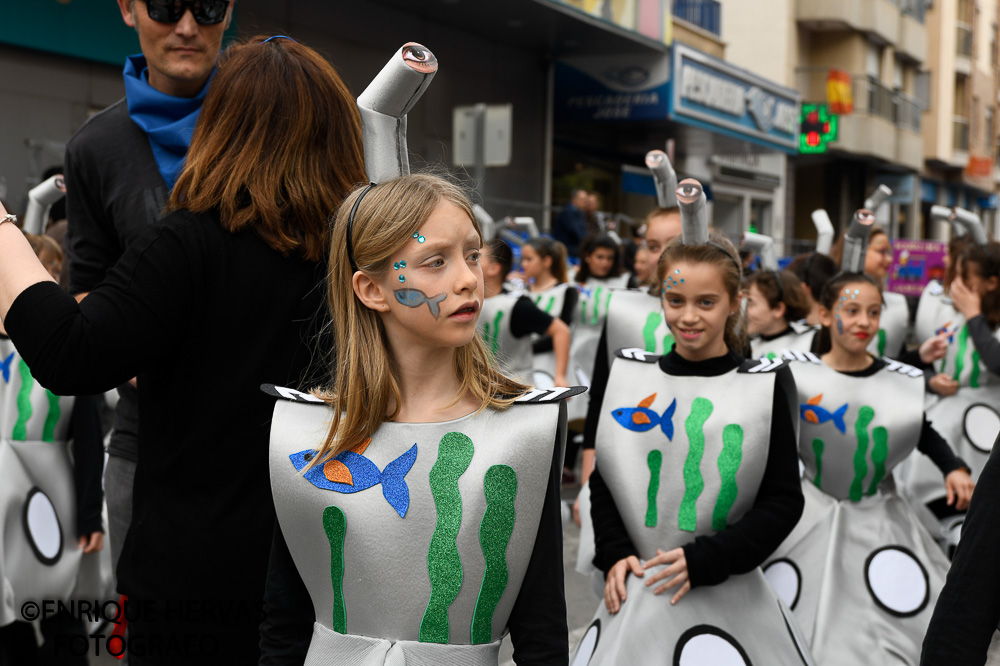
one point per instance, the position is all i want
(350, 227)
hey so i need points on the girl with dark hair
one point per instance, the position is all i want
(814, 270)
(204, 307)
(543, 262)
(967, 379)
(860, 571)
(664, 522)
(775, 303)
(418, 508)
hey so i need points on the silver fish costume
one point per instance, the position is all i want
(550, 301)
(514, 353)
(39, 558)
(798, 337)
(428, 570)
(860, 571)
(670, 492)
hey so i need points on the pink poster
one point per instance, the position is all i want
(914, 264)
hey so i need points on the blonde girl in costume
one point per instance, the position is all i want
(418, 499)
(860, 570)
(693, 489)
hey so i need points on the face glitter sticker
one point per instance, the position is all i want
(414, 298)
(420, 239)
(402, 278)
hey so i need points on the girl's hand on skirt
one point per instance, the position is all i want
(677, 571)
(614, 584)
(959, 485)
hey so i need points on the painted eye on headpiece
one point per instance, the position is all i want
(865, 216)
(655, 158)
(419, 58)
(688, 192)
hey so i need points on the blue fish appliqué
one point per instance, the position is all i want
(351, 472)
(414, 298)
(811, 411)
(5, 367)
(642, 418)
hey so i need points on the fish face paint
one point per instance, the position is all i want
(439, 267)
(414, 298)
(854, 319)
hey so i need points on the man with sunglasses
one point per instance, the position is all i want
(120, 167)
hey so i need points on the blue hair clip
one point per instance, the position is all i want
(278, 37)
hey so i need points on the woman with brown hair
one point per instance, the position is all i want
(218, 298)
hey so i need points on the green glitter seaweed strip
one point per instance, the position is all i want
(597, 306)
(494, 337)
(649, 331)
(881, 342)
(818, 452)
(729, 463)
(771, 356)
(500, 488)
(974, 377)
(687, 516)
(607, 304)
(583, 312)
(548, 308)
(668, 342)
(20, 432)
(335, 526)
(963, 341)
(880, 451)
(865, 416)
(444, 565)
(52, 418)
(655, 461)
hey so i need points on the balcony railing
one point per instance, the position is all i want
(871, 97)
(703, 13)
(963, 40)
(960, 133)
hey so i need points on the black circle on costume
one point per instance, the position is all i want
(49, 561)
(798, 578)
(701, 630)
(795, 641)
(966, 432)
(596, 624)
(927, 582)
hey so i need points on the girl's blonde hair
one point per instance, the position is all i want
(721, 253)
(364, 379)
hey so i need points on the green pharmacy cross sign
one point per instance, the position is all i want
(819, 127)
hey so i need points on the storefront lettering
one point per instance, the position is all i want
(768, 112)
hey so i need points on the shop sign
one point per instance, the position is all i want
(633, 87)
(914, 264)
(708, 90)
(979, 166)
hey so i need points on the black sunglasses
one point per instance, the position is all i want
(206, 12)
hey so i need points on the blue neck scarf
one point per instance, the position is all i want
(168, 121)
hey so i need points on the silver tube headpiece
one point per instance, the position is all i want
(763, 247)
(877, 198)
(664, 177)
(384, 105)
(972, 224)
(694, 212)
(824, 231)
(40, 200)
(856, 241)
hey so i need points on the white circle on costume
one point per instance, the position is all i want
(587, 645)
(542, 379)
(785, 579)
(982, 425)
(43, 525)
(710, 650)
(897, 581)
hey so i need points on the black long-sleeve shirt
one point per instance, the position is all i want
(968, 608)
(203, 317)
(544, 344)
(537, 623)
(746, 544)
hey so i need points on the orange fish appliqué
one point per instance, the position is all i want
(337, 471)
(809, 414)
(638, 417)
